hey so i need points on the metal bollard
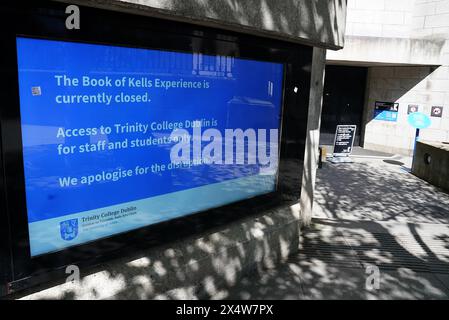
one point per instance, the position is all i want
(320, 158)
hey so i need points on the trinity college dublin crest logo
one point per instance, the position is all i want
(69, 229)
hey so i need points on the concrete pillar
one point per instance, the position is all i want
(313, 135)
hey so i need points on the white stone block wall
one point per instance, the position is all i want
(424, 86)
(398, 18)
(380, 18)
(431, 19)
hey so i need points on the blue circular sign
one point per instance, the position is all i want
(419, 120)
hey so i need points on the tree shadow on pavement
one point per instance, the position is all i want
(368, 216)
(333, 263)
(368, 191)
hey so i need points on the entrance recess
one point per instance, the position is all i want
(343, 101)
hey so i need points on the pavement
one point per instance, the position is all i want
(378, 232)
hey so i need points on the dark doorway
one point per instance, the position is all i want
(343, 101)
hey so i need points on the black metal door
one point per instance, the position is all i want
(343, 101)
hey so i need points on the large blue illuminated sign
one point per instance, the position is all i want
(101, 126)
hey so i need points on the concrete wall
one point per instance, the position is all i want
(405, 85)
(369, 51)
(203, 266)
(313, 135)
(424, 86)
(314, 22)
(431, 163)
(405, 44)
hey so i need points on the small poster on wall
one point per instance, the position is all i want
(412, 108)
(386, 111)
(436, 112)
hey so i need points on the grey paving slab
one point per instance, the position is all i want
(324, 279)
(444, 279)
(357, 151)
(405, 284)
(369, 215)
(378, 191)
(278, 284)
